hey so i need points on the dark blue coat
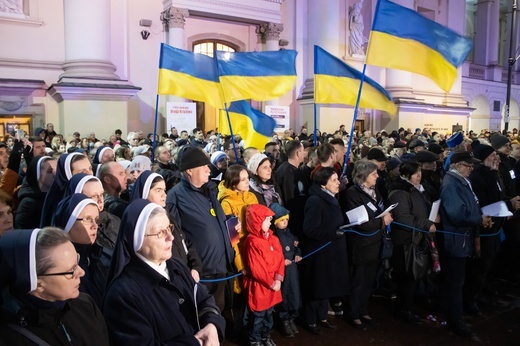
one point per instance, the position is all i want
(291, 282)
(193, 209)
(142, 307)
(460, 213)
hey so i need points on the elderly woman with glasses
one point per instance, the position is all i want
(78, 216)
(160, 301)
(43, 304)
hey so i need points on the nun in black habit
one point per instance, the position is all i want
(160, 301)
(77, 215)
(39, 278)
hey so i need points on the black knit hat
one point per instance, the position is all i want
(377, 154)
(426, 156)
(192, 157)
(498, 141)
(435, 148)
(481, 151)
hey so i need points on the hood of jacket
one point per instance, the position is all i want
(235, 196)
(255, 216)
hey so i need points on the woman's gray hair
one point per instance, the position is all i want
(362, 170)
(46, 240)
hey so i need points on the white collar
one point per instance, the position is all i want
(161, 268)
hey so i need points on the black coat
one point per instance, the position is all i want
(108, 228)
(362, 249)
(505, 169)
(291, 281)
(95, 262)
(324, 274)
(79, 317)
(432, 182)
(488, 188)
(29, 211)
(192, 209)
(142, 307)
(413, 209)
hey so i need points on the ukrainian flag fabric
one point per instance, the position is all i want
(190, 75)
(405, 40)
(259, 76)
(255, 127)
(337, 82)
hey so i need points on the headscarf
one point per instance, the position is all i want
(55, 194)
(34, 171)
(131, 235)
(143, 184)
(77, 182)
(99, 154)
(18, 260)
(68, 210)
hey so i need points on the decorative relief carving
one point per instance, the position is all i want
(175, 17)
(271, 31)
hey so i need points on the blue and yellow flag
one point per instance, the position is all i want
(255, 127)
(337, 82)
(259, 76)
(190, 75)
(405, 40)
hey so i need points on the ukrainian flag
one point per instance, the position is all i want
(190, 75)
(405, 40)
(259, 76)
(255, 127)
(337, 82)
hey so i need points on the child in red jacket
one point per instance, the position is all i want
(265, 267)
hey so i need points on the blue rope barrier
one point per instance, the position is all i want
(358, 233)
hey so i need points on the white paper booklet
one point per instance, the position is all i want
(435, 210)
(498, 209)
(356, 216)
(389, 209)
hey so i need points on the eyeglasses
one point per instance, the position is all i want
(96, 197)
(87, 221)
(162, 233)
(468, 165)
(68, 275)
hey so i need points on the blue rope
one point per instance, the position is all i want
(222, 279)
(441, 231)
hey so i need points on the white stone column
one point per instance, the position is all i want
(259, 38)
(400, 82)
(87, 39)
(272, 37)
(176, 19)
(487, 25)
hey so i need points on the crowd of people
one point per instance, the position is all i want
(104, 242)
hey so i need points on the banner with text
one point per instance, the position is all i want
(181, 115)
(282, 116)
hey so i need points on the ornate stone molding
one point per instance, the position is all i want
(92, 89)
(33, 64)
(97, 69)
(175, 17)
(271, 30)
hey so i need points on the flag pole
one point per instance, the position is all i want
(315, 121)
(356, 109)
(227, 111)
(154, 141)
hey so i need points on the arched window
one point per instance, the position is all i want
(207, 47)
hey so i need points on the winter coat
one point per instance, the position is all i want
(95, 261)
(78, 319)
(324, 274)
(413, 209)
(506, 171)
(489, 189)
(142, 307)
(291, 283)
(264, 261)
(234, 203)
(29, 211)
(202, 219)
(364, 249)
(460, 213)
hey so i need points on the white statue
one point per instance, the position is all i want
(356, 26)
(11, 6)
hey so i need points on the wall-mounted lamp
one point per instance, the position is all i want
(145, 34)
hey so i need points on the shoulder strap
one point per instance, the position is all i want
(28, 334)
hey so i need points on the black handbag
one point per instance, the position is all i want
(417, 256)
(387, 247)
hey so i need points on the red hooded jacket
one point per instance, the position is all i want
(263, 259)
